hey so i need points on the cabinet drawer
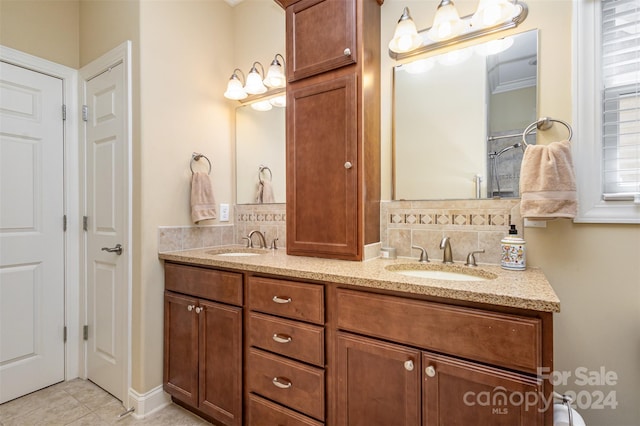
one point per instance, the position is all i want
(209, 284)
(500, 339)
(289, 299)
(290, 383)
(294, 339)
(266, 413)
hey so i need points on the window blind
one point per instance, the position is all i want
(620, 48)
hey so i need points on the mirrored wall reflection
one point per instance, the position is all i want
(260, 156)
(458, 117)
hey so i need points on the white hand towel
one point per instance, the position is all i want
(203, 203)
(548, 182)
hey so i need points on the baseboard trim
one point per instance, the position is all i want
(149, 402)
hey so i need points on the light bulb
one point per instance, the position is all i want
(447, 23)
(405, 37)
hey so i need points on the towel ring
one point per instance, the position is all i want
(544, 123)
(196, 157)
(261, 169)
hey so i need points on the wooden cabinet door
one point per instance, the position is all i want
(321, 36)
(181, 348)
(322, 169)
(220, 329)
(378, 384)
(461, 393)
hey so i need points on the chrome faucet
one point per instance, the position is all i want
(424, 257)
(445, 244)
(261, 239)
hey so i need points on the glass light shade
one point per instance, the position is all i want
(492, 12)
(405, 38)
(235, 90)
(254, 84)
(447, 23)
(275, 76)
(279, 101)
(261, 106)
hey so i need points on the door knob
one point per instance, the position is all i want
(348, 165)
(347, 52)
(117, 249)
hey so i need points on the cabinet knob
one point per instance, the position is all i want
(199, 309)
(281, 382)
(408, 365)
(430, 371)
(280, 299)
(348, 165)
(281, 338)
(347, 52)
(190, 307)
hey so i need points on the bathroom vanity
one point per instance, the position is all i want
(270, 339)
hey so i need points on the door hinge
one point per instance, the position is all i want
(64, 112)
(64, 334)
(85, 223)
(85, 332)
(64, 223)
(85, 113)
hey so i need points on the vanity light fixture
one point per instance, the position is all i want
(275, 75)
(254, 85)
(235, 89)
(447, 23)
(405, 38)
(448, 28)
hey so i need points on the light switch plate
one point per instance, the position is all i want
(224, 212)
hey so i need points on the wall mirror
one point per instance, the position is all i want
(459, 117)
(260, 153)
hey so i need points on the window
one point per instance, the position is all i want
(607, 110)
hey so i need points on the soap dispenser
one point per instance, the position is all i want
(514, 251)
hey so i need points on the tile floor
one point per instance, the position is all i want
(79, 402)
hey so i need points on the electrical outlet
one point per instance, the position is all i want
(224, 212)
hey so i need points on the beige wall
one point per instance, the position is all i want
(48, 29)
(594, 269)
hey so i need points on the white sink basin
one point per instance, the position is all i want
(243, 254)
(237, 252)
(441, 275)
(441, 272)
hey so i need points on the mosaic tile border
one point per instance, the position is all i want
(449, 218)
(274, 213)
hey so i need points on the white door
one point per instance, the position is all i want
(106, 192)
(31, 231)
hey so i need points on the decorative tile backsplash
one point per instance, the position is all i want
(172, 238)
(270, 219)
(470, 225)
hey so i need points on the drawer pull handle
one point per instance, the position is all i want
(430, 370)
(190, 307)
(347, 52)
(199, 309)
(281, 382)
(281, 338)
(408, 365)
(279, 299)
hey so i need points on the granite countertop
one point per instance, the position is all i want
(527, 289)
